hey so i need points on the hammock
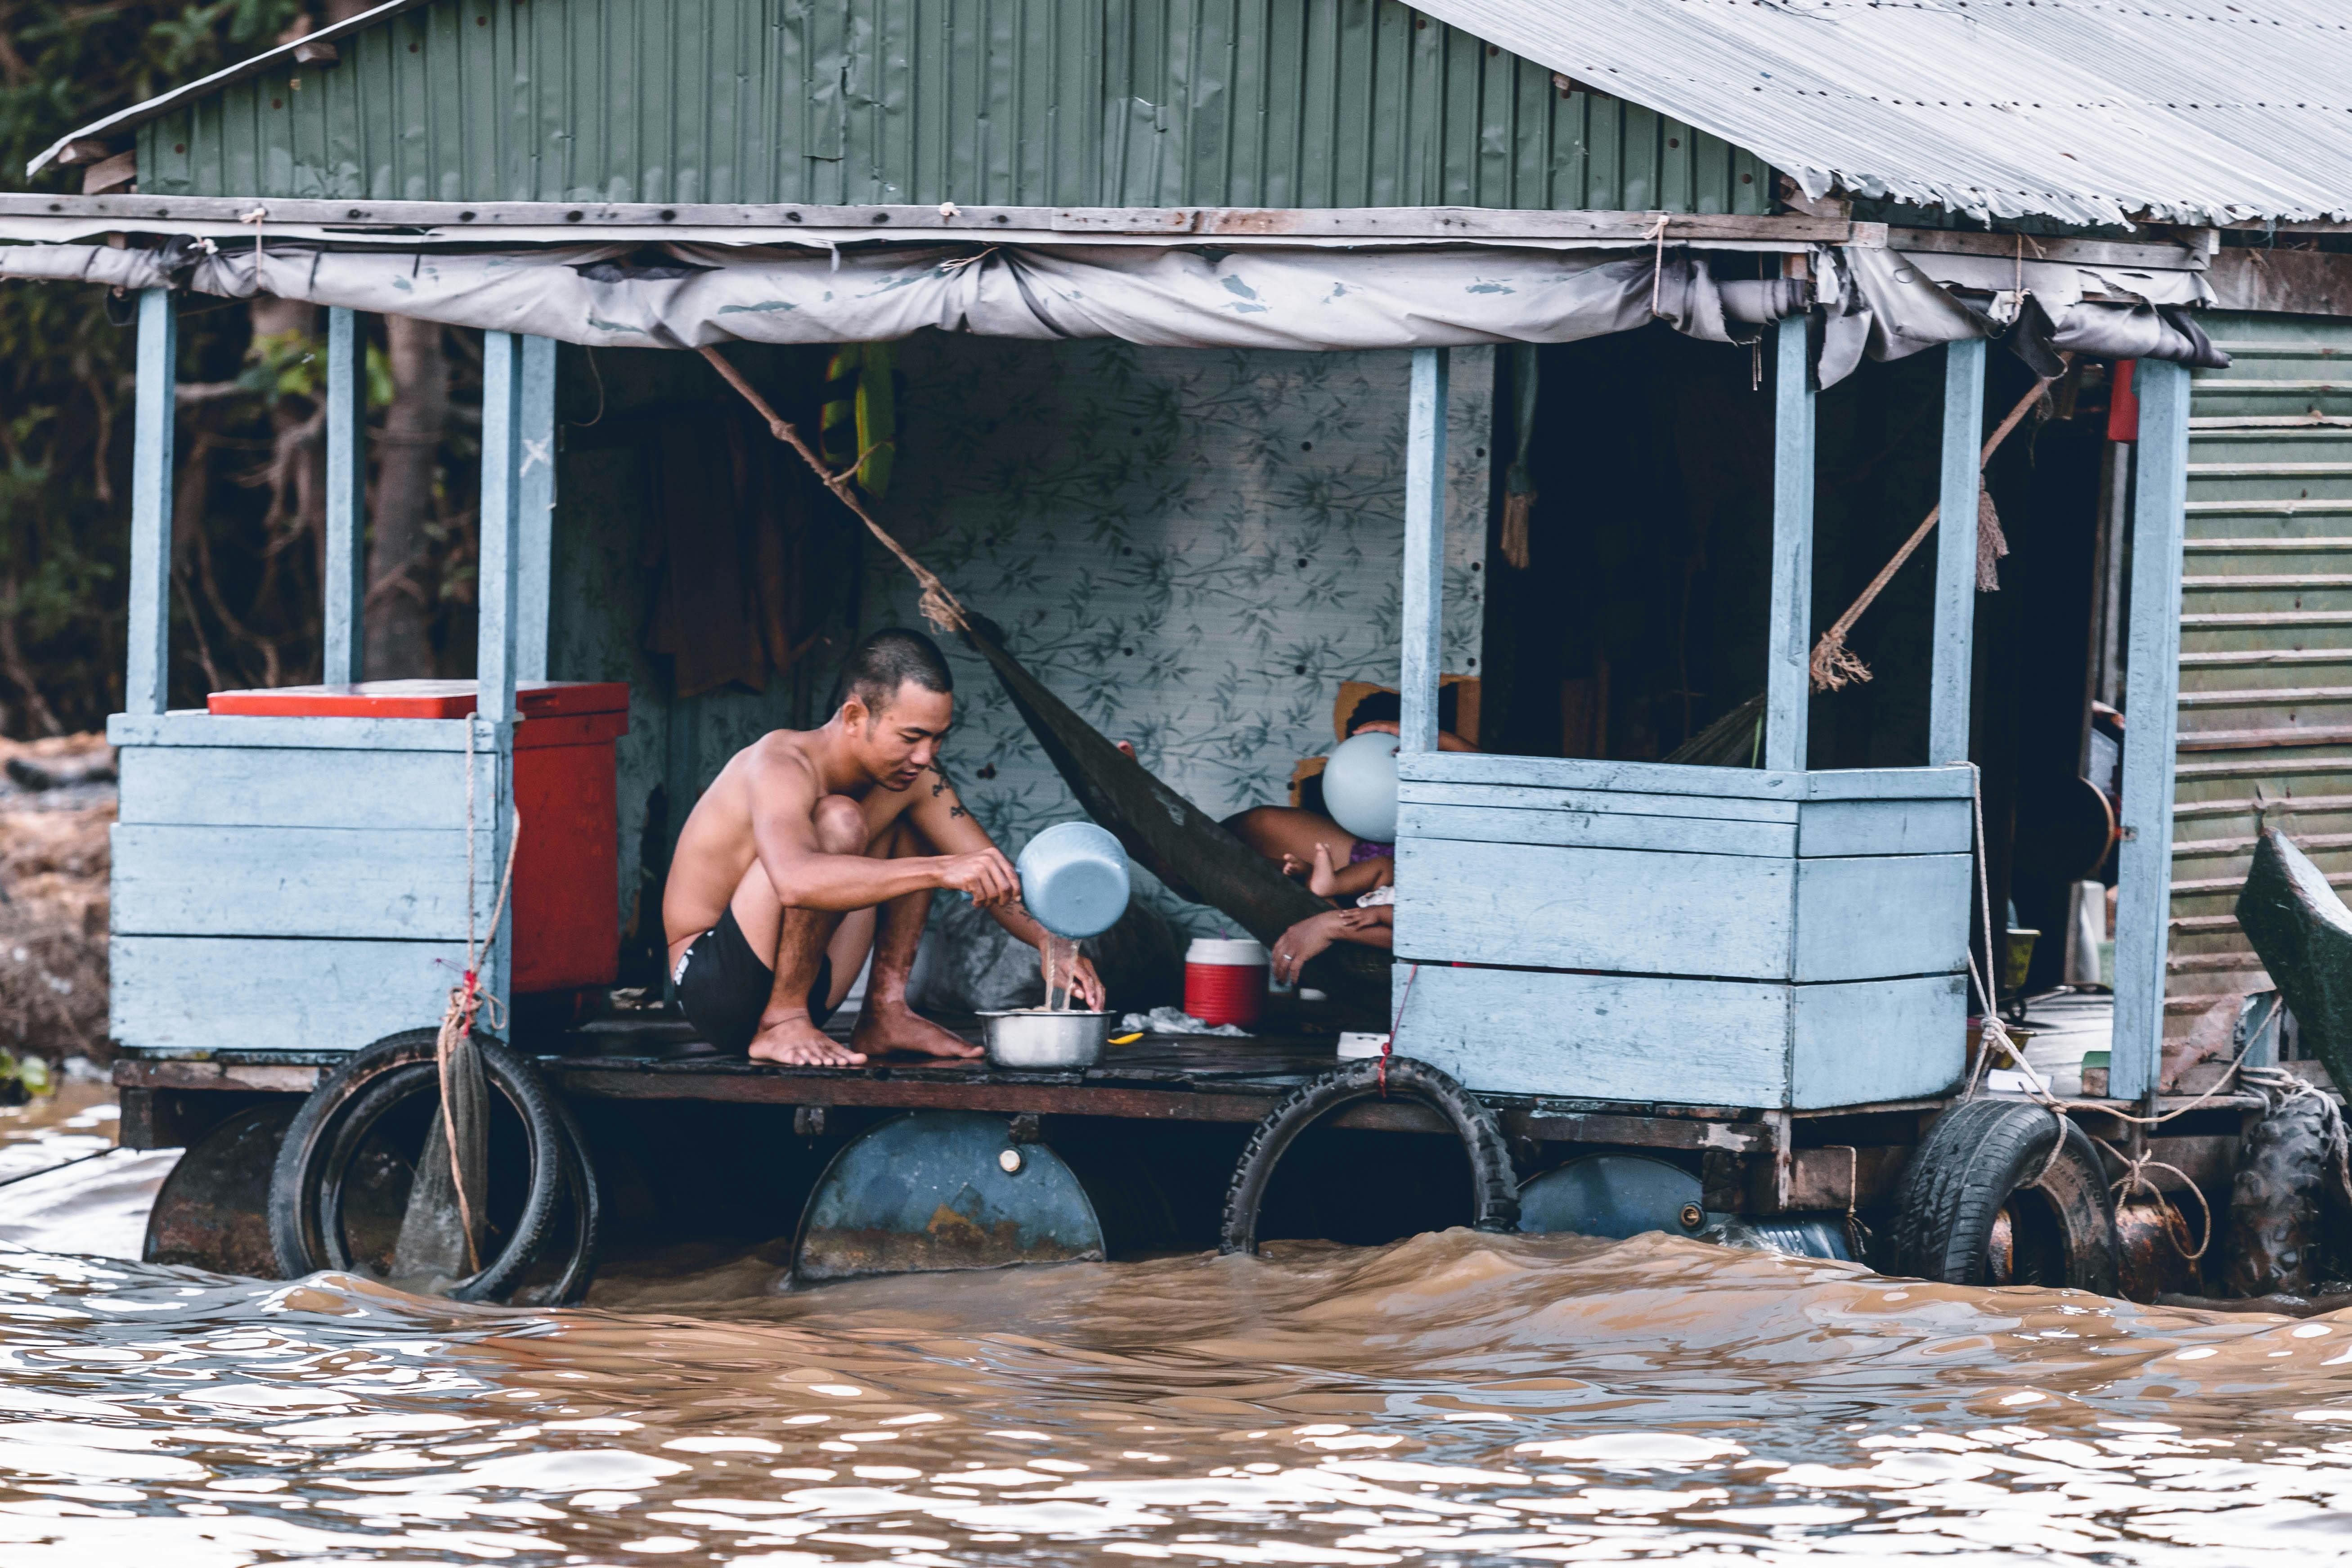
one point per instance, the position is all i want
(1169, 837)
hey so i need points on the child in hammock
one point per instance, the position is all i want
(1334, 862)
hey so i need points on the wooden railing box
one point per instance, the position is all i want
(1641, 931)
(289, 868)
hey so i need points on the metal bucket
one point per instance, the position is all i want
(1061, 1041)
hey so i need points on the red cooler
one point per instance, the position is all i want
(1224, 980)
(567, 922)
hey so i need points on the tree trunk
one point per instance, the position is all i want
(399, 602)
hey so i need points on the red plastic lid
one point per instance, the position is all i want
(420, 699)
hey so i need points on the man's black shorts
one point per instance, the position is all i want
(723, 986)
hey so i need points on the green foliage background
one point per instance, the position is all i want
(66, 354)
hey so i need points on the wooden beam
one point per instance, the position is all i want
(535, 510)
(493, 661)
(146, 683)
(2143, 900)
(2174, 256)
(1788, 621)
(1423, 622)
(111, 174)
(344, 660)
(1167, 223)
(494, 658)
(1955, 553)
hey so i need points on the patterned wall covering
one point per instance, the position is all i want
(1192, 548)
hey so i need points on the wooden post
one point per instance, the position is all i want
(344, 658)
(1955, 553)
(1788, 621)
(494, 664)
(147, 673)
(535, 553)
(1424, 549)
(494, 659)
(2152, 693)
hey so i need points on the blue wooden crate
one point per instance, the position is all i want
(1647, 932)
(293, 883)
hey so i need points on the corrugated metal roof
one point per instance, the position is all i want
(2087, 111)
(1293, 104)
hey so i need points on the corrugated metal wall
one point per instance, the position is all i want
(1284, 103)
(2266, 635)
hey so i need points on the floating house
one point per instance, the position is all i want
(1597, 353)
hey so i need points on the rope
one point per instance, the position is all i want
(2135, 1175)
(1857, 1234)
(1658, 266)
(1834, 665)
(938, 606)
(1387, 1046)
(467, 1001)
(257, 217)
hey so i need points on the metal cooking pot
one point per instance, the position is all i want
(1061, 1041)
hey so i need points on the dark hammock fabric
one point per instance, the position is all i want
(1172, 838)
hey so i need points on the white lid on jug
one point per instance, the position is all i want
(1238, 951)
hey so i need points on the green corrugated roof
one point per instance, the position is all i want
(1267, 103)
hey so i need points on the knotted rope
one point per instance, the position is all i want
(2135, 1177)
(938, 606)
(1834, 665)
(459, 1070)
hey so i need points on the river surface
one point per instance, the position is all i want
(1455, 1398)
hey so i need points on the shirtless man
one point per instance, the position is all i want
(811, 846)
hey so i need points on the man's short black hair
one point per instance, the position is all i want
(887, 661)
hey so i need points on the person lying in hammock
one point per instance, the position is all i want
(812, 848)
(1334, 862)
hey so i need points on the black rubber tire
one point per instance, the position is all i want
(1495, 1186)
(1976, 1160)
(304, 1205)
(2278, 1219)
(585, 1234)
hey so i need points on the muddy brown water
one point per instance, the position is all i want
(1452, 1399)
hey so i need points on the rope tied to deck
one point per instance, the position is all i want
(457, 1063)
(1834, 665)
(1387, 1046)
(938, 606)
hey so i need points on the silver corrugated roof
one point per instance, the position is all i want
(2087, 111)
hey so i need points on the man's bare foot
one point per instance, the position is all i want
(795, 1041)
(899, 1028)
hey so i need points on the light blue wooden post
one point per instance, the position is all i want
(1788, 622)
(147, 673)
(343, 660)
(494, 659)
(494, 664)
(1955, 553)
(2151, 697)
(1424, 549)
(535, 553)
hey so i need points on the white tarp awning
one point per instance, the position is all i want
(1879, 302)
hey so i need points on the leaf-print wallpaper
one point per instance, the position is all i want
(1192, 548)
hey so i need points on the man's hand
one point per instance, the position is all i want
(985, 875)
(1078, 974)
